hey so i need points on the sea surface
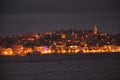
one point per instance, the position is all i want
(79, 69)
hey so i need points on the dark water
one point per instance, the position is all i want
(85, 69)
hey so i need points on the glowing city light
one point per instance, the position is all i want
(62, 42)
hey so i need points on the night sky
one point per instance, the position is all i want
(21, 16)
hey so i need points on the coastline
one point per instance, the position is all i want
(59, 57)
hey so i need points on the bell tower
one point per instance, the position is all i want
(95, 29)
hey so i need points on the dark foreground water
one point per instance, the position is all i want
(80, 69)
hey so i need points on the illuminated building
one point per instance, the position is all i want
(95, 29)
(60, 42)
(8, 52)
(63, 35)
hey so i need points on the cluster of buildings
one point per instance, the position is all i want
(60, 42)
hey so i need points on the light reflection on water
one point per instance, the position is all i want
(61, 70)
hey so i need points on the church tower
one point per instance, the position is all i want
(95, 29)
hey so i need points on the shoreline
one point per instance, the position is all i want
(59, 57)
